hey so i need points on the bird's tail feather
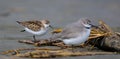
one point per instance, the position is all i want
(22, 31)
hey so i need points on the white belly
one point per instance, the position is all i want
(78, 40)
(41, 32)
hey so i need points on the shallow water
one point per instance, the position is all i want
(59, 12)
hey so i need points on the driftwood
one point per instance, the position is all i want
(47, 53)
(102, 37)
(109, 42)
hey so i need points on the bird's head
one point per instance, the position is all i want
(87, 23)
(46, 23)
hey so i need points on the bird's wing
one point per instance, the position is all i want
(71, 35)
(69, 32)
(33, 25)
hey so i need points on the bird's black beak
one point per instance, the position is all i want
(94, 26)
(51, 27)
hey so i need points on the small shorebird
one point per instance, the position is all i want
(75, 33)
(36, 27)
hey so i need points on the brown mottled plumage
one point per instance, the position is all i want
(34, 25)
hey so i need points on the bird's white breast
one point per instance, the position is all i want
(40, 32)
(82, 37)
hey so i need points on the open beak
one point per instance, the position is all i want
(51, 27)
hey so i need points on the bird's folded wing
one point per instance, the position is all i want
(70, 35)
(33, 25)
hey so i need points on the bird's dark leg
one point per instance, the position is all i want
(72, 48)
(34, 38)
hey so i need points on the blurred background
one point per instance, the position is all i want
(59, 12)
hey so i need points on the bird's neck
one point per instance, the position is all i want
(46, 25)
